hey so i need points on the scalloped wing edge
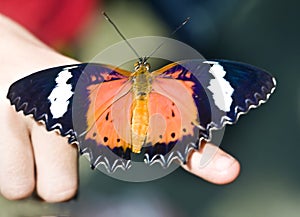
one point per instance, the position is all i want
(102, 159)
(172, 156)
(43, 118)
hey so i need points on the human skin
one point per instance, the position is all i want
(33, 159)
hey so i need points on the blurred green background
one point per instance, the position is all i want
(266, 141)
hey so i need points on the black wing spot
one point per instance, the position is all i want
(94, 134)
(107, 116)
(184, 130)
(160, 136)
(173, 113)
(173, 135)
(118, 140)
(105, 139)
(173, 104)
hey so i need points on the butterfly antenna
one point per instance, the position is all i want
(172, 33)
(122, 36)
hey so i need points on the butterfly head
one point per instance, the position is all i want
(142, 65)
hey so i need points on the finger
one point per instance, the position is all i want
(16, 158)
(56, 165)
(213, 165)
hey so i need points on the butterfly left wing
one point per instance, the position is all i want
(49, 96)
(206, 95)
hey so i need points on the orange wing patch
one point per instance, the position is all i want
(173, 112)
(165, 120)
(108, 117)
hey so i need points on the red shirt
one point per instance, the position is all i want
(55, 22)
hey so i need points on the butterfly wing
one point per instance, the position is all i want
(49, 96)
(196, 96)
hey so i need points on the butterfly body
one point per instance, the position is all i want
(141, 88)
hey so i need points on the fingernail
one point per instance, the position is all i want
(224, 162)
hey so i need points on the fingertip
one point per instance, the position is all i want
(57, 192)
(219, 168)
(227, 175)
(17, 191)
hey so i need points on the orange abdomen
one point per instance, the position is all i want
(139, 123)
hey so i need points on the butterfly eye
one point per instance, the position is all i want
(147, 65)
(136, 65)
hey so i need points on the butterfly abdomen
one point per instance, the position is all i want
(139, 123)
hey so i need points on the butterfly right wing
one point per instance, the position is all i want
(198, 96)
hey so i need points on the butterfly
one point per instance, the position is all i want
(115, 114)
